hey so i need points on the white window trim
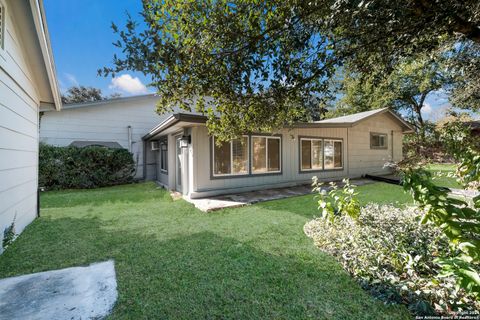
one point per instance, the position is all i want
(323, 147)
(311, 154)
(231, 160)
(266, 155)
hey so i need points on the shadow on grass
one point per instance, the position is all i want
(133, 193)
(201, 275)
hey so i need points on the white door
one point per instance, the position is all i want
(178, 165)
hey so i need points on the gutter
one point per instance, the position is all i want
(172, 120)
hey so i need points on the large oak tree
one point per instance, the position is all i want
(262, 64)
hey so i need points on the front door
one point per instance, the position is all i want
(178, 164)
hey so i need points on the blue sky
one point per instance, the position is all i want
(82, 39)
(82, 43)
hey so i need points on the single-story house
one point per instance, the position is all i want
(27, 85)
(190, 161)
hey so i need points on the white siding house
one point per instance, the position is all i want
(27, 85)
(119, 122)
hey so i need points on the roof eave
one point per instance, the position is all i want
(44, 40)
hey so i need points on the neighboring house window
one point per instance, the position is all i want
(378, 140)
(266, 153)
(311, 154)
(320, 154)
(231, 158)
(163, 157)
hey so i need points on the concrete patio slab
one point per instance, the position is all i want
(246, 198)
(73, 293)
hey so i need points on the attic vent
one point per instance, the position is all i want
(2, 25)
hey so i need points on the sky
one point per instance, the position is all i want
(82, 39)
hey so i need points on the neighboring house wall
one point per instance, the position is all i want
(362, 158)
(107, 122)
(23, 85)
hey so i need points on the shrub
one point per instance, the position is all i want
(88, 167)
(392, 255)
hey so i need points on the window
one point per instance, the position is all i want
(320, 154)
(231, 158)
(164, 156)
(2, 25)
(378, 140)
(266, 152)
(311, 154)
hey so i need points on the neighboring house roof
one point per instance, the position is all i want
(345, 121)
(40, 23)
(107, 101)
(108, 144)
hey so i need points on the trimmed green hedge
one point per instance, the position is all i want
(87, 167)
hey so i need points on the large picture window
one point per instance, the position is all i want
(266, 154)
(378, 140)
(231, 158)
(320, 154)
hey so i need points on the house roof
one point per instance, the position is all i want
(344, 121)
(353, 119)
(40, 22)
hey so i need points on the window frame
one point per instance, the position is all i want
(3, 27)
(161, 150)
(231, 175)
(378, 147)
(311, 139)
(266, 137)
(323, 139)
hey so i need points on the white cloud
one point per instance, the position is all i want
(128, 84)
(427, 108)
(71, 79)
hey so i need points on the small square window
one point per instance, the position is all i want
(378, 140)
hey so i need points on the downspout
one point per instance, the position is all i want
(145, 143)
(129, 130)
(348, 155)
(392, 145)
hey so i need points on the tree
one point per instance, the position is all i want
(405, 88)
(79, 94)
(259, 62)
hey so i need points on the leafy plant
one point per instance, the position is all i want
(88, 167)
(393, 256)
(9, 234)
(336, 200)
(459, 220)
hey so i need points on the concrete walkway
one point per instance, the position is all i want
(246, 198)
(73, 293)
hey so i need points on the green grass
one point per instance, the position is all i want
(175, 262)
(443, 180)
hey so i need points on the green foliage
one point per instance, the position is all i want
(262, 64)
(88, 167)
(337, 201)
(78, 94)
(9, 234)
(393, 256)
(458, 219)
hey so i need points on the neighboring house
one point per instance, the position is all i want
(188, 159)
(474, 128)
(27, 86)
(116, 123)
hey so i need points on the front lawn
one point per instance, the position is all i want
(173, 261)
(440, 178)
